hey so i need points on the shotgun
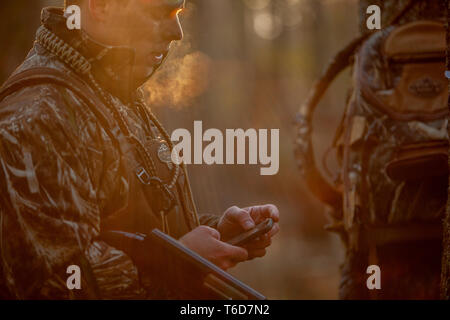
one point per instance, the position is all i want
(210, 278)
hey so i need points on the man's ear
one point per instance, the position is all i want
(99, 9)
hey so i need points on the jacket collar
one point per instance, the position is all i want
(111, 66)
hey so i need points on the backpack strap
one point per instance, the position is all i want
(304, 151)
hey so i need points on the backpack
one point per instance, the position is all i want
(392, 143)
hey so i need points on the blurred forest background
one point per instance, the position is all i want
(245, 64)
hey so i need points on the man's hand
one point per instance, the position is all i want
(235, 221)
(206, 242)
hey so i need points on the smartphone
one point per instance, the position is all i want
(254, 233)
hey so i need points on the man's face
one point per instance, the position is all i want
(148, 26)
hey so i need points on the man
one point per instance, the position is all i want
(81, 154)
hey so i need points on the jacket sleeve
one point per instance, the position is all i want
(53, 189)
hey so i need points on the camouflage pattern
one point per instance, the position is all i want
(63, 181)
(373, 202)
(374, 139)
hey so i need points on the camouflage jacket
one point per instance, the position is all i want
(63, 179)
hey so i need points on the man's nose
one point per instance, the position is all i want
(172, 30)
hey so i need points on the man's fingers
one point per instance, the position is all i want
(261, 243)
(242, 217)
(272, 212)
(225, 265)
(260, 213)
(274, 230)
(236, 254)
(206, 242)
(257, 253)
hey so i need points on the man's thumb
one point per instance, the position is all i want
(243, 218)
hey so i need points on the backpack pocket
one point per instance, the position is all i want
(418, 161)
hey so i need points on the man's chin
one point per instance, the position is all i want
(149, 72)
(144, 76)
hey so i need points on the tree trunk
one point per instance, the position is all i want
(445, 284)
(12, 55)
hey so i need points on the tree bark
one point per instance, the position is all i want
(19, 35)
(445, 284)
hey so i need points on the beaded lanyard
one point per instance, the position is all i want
(80, 64)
